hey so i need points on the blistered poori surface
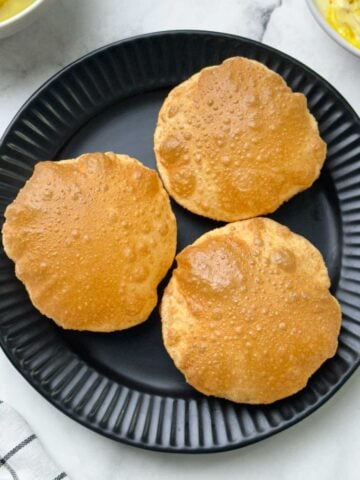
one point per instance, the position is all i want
(234, 141)
(247, 314)
(91, 239)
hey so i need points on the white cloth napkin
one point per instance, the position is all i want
(22, 456)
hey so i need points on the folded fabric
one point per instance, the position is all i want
(22, 456)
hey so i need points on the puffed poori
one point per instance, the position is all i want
(234, 141)
(247, 314)
(91, 239)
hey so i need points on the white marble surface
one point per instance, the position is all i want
(323, 447)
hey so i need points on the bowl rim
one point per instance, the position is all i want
(33, 6)
(319, 17)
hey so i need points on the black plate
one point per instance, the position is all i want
(123, 384)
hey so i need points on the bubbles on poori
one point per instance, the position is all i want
(245, 316)
(234, 141)
(91, 239)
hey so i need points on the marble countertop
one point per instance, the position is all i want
(326, 445)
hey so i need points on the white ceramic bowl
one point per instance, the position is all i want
(24, 18)
(319, 17)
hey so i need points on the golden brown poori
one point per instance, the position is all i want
(91, 239)
(234, 141)
(247, 314)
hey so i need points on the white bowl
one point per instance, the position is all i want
(23, 18)
(319, 17)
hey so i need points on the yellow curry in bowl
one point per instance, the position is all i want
(10, 8)
(344, 17)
